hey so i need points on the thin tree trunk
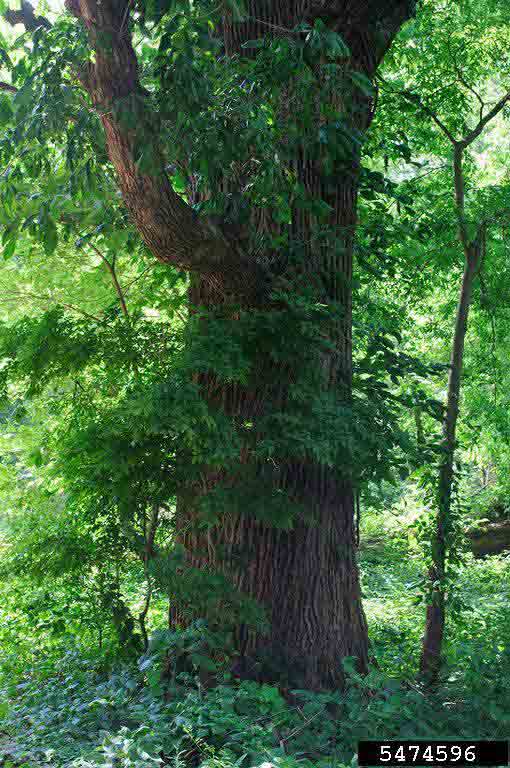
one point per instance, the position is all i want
(431, 660)
(435, 619)
(151, 528)
(473, 250)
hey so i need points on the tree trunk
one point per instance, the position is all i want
(305, 578)
(435, 619)
(474, 251)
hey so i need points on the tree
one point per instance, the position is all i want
(460, 100)
(277, 260)
(473, 248)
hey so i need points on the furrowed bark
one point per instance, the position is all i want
(306, 578)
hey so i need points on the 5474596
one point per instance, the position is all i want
(433, 753)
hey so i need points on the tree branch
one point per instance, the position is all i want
(415, 99)
(368, 26)
(169, 227)
(113, 274)
(26, 16)
(462, 79)
(48, 301)
(468, 139)
(8, 87)
(475, 133)
(396, 13)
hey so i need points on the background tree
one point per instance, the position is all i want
(461, 99)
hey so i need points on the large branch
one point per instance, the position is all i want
(386, 19)
(168, 226)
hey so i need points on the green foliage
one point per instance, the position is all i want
(69, 712)
(103, 418)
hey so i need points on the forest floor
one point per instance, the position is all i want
(66, 711)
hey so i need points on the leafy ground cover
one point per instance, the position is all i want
(73, 707)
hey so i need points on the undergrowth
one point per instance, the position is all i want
(75, 709)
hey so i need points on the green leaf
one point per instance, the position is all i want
(362, 82)
(9, 248)
(50, 235)
(6, 112)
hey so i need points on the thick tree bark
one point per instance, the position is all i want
(306, 578)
